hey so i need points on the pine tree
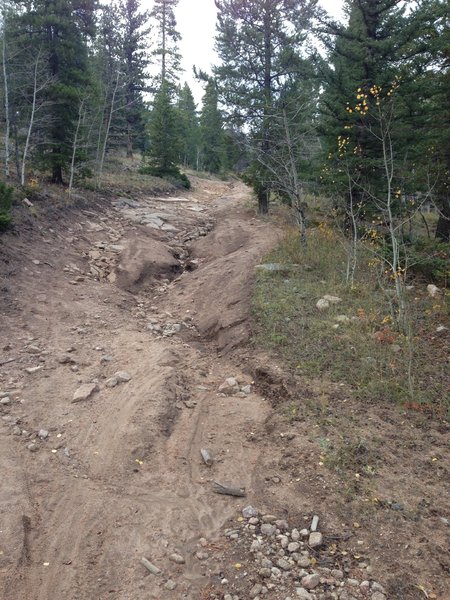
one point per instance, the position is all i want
(163, 132)
(134, 31)
(211, 131)
(258, 43)
(166, 53)
(189, 128)
(61, 28)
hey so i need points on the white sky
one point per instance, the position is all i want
(196, 21)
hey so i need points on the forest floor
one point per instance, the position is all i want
(143, 306)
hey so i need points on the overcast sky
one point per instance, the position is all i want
(196, 22)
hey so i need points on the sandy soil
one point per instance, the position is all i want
(87, 292)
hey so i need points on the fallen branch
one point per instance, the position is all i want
(218, 488)
(150, 567)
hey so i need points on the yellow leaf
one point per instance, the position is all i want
(356, 525)
(238, 566)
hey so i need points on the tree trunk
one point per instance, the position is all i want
(443, 224)
(263, 200)
(6, 100)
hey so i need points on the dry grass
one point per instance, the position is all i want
(367, 351)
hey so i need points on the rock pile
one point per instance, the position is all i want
(278, 562)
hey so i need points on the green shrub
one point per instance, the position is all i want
(173, 176)
(6, 194)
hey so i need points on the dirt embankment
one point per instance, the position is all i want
(145, 302)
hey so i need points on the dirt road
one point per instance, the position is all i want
(119, 475)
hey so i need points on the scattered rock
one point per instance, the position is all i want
(170, 585)
(256, 590)
(304, 594)
(229, 387)
(268, 529)
(249, 512)
(111, 382)
(311, 581)
(122, 376)
(342, 319)
(202, 555)
(33, 447)
(16, 430)
(433, 290)
(171, 329)
(246, 389)
(32, 370)
(5, 401)
(378, 596)
(177, 558)
(43, 434)
(84, 392)
(322, 304)
(65, 359)
(315, 539)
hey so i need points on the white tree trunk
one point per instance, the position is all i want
(7, 119)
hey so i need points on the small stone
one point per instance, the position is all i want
(122, 376)
(322, 304)
(311, 581)
(295, 535)
(256, 589)
(65, 359)
(304, 594)
(268, 529)
(315, 523)
(353, 582)
(365, 586)
(84, 392)
(304, 562)
(229, 387)
(284, 540)
(377, 587)
(248, 512)
(5, 401)
(315, 539)
(246, 389)
(269, 519)
(337, 574)
(111, 382)
(106, 358)
(33, 447)
(304, 533)
(378, 596)
(281, 524)
(202, 555)
(16, 430)
(177, 558)
(265, 572)
(32, 370)
(255, 546)
(253, 521)
(342, 319)
(293, 547)
(282, 563)
(43, 434)
(433, 290)
(170, 585)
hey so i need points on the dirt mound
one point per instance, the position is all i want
(144, 261)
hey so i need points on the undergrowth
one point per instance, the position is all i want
(353, 341)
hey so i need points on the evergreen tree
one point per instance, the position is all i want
(211, 131)
(258, 43)
(189, 128)
(163, 132)
(166, 52)
(62, 29)
(134, 30)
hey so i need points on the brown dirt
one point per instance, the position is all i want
(120, 475)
